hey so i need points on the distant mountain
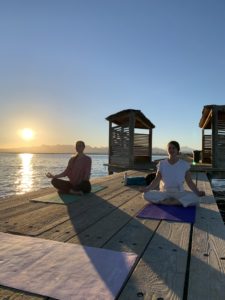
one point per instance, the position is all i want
(55, 149)
(159, 151)
(186, 149)
(70, 149)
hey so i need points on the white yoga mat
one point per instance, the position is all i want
(61, 270)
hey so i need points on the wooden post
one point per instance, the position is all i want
(215, 137)
(150, 145)
(131, 138)
(203, 146)
(110, 147)
(221, 136)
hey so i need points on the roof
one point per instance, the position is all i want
(205, 121)
(122, 118)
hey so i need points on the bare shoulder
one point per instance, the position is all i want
(72, 159)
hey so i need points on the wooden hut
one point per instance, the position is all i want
(130, 141)
(213, 135)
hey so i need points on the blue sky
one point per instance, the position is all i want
(67, 65)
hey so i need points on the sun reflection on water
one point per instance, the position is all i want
(24, 181)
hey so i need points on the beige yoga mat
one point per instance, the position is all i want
(66, 198)
(62, 270)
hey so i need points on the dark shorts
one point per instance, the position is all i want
(65, 185)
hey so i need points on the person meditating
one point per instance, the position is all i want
(170, 176)
(78, 171)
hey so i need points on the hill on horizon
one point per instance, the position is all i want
(70, 149)
(55, 149)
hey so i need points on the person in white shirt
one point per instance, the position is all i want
(170, 177)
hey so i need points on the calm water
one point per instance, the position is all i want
(24, 172)
(218, 185)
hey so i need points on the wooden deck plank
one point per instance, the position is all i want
(50, 215)
(207, 266)
(133, 237)
(108, 220)
(31, 223)
(19, 209)
(67, 230)
(115, 187)
(115, 195)
(115, 184)
(160, 273)
(103, 230)
(13, 294)
(17, 200)
(14, 201)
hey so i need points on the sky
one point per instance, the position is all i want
(67, 65)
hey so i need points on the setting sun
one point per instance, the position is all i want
(27, 134)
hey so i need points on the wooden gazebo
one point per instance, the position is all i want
(128, 148)
(213, 135)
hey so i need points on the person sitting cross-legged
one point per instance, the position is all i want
(78, 171)
(170, 177)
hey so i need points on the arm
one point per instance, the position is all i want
(63, 174)
(154, 184)
(50, 175)
(192, 186)
(87, 169)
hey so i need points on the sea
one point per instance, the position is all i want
(218, 185)
(25, 172)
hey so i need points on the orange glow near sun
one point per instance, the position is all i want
(27, 134)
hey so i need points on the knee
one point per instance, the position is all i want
(146, 196)
(86, 187)
(54, 181)
(154, 196)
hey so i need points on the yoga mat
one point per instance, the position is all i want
(168, 212)
(62, 270)
(60, 198)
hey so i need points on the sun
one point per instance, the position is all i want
(27, 134)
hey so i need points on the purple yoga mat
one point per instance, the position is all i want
(168, 212)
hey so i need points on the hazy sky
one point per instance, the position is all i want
(67, 65)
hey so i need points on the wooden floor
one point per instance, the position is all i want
(175, 260)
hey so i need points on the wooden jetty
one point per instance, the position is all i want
(175, 260)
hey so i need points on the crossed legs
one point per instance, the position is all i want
(65, 186)
(185, 198)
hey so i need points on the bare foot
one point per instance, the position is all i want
(170, 201)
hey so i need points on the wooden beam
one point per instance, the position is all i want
(214, 138)
(110, 145)
(150, 143)
(131, 137)
(207, 119)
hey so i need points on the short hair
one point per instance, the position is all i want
(175, 144)
(81, 142)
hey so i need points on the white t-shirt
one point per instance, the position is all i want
(173, 176)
